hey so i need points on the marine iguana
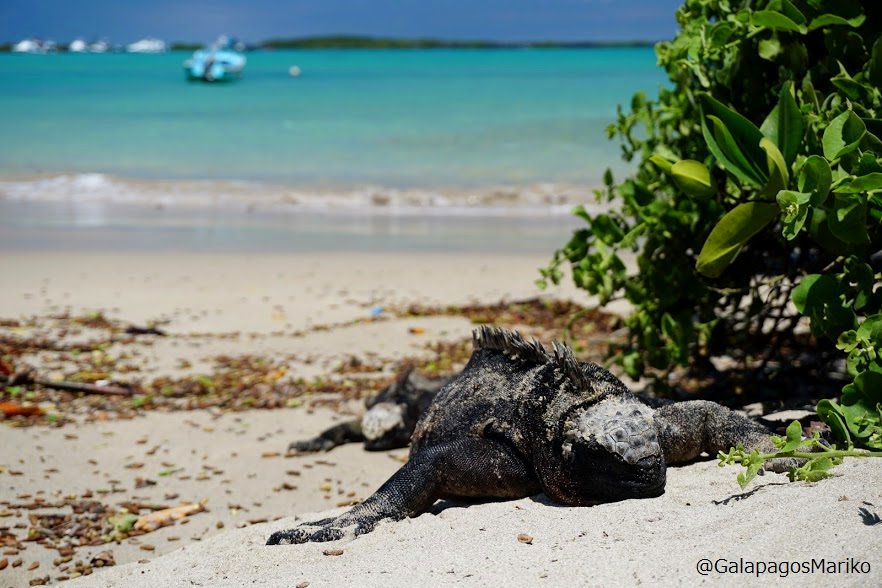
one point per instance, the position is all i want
(519, 420)
(389, 421)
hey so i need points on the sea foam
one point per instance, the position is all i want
(545, 199)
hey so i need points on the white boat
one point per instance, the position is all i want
(32, 46)
(102, 46)
(222, 62)
(148, 45)
(77, 46)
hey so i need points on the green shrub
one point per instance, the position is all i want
(756, 201)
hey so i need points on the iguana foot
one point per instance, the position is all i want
(330, 529)
(311, 445)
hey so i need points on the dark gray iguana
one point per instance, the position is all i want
(390, 418)
(519, 420)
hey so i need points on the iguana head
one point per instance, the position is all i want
(609, 451)
(383, 425)
(393, 413)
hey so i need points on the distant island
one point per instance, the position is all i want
(367, 42)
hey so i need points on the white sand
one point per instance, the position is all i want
(269, 297)
(655, 542)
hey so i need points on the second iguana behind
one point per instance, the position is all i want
(389, 421)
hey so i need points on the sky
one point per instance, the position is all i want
(123, 21)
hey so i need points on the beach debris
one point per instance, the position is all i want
(16, 409)
(167, 516)
(416, 330)
(123, 523)
(302, 585)
(524, 538)
(143, 482)
(3, 563)
(333, 552)
(26, 377)
(84, 377)
(103, 559)
(148, 330)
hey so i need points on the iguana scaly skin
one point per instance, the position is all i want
(389, 421)
(519, 420)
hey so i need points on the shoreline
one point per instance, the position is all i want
(96, 212)
(546, 199)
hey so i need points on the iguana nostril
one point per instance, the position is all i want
(648, 462)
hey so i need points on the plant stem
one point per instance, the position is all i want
(829, 453)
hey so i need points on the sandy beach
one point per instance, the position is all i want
(703, 517)
(313, 313)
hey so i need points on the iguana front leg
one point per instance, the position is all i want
(473, 468)
(687, 429)
(346, 432)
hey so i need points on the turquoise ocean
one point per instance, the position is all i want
(457, 130)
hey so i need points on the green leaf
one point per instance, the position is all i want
(819, 297)
(870, 383)
(693, 178)
(779, 176)
(731, 233)
(874, 67)
(816, 470)
(843, 135)
(862, 276)
(124, 522)
(848, 86)
(831, 413)
(794, 436)
(769, 49)
(784, 125)
(826, 20)
(605, 229)
(662, 163)
(815, 177)
(775, 21)
(735, 142)
(849, 219)
(871, 330)
(847, 341)
(869, 183)
(788, 9)
(720, 34)
(868, 163)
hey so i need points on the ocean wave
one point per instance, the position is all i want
(90, 189)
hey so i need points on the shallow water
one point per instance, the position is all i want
(420, 118)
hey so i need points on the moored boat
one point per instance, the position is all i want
(221, 62)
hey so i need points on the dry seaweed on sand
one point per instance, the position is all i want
(92, 367)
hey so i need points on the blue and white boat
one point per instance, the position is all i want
(221, 62)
